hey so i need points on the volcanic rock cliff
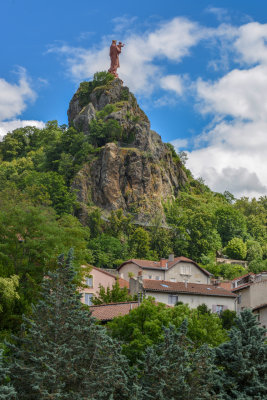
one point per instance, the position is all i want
(132, 168)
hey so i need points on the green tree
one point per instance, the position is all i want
(8, 291)
(228, 317)
(119, 225)
(194, 225)
(173, 370)
(161, 242)
(95, 222)
(257, 266)
(61, 352)
(108, 251)
(226, 271)
(140, 243)
(114, 295)
(243, 360)
(7, 391)
(236, 249)
(102, 132)
(53, 187)
(8, 296)
(230, 223)
(254, 250)
(30, 238)
(143, 327)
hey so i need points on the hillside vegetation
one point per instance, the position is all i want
(41, 216)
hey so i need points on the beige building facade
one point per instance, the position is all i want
(179, 269)
(251, 290)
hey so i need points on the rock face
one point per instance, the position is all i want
(134, 173)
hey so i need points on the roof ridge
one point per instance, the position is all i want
(113, 304)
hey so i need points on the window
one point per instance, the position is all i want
(173, 299)
(186, 270)
(157, 278)
(172, 279)
(88, 298)
(239, 299)
(89, 282)
(219, 309)
(149, 276)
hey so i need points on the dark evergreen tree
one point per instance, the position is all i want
(62, 353)
(172, 370)
(243, 360)
(7, 391)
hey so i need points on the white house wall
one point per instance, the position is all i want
(197, 276)
(194, 300)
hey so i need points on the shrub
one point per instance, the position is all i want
(236, 249)
(101, 78)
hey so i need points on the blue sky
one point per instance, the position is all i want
(198, 68)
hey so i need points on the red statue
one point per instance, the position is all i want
(114, 52)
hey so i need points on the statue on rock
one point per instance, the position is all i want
(115, 50)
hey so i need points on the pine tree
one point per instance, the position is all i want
(172, 370)
(62, 353)
(7, 392)
(243, 360)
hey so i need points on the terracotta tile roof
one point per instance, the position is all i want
(243, 276)
(260, 306)
(181, 287)
(148, 264)
(106, 312)
(123, 283)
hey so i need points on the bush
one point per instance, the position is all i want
(100, 79)
(236, 249)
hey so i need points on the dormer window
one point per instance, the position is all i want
(186, 270)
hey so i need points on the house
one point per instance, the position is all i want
(251, 290)
(173, 269)
(106, 312)
(216, 298)
(99, 276)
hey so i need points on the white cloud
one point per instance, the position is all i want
(14, 97)
(220, 13)
(251, 43)
(232, 154)
(123, 23)
(13, 101)
(9, 126)
(173, 83)
(179, 144)
(240, 94)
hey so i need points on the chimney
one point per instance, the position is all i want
(215, 282)
(171, 257)
(140, 276)
(163, 263)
